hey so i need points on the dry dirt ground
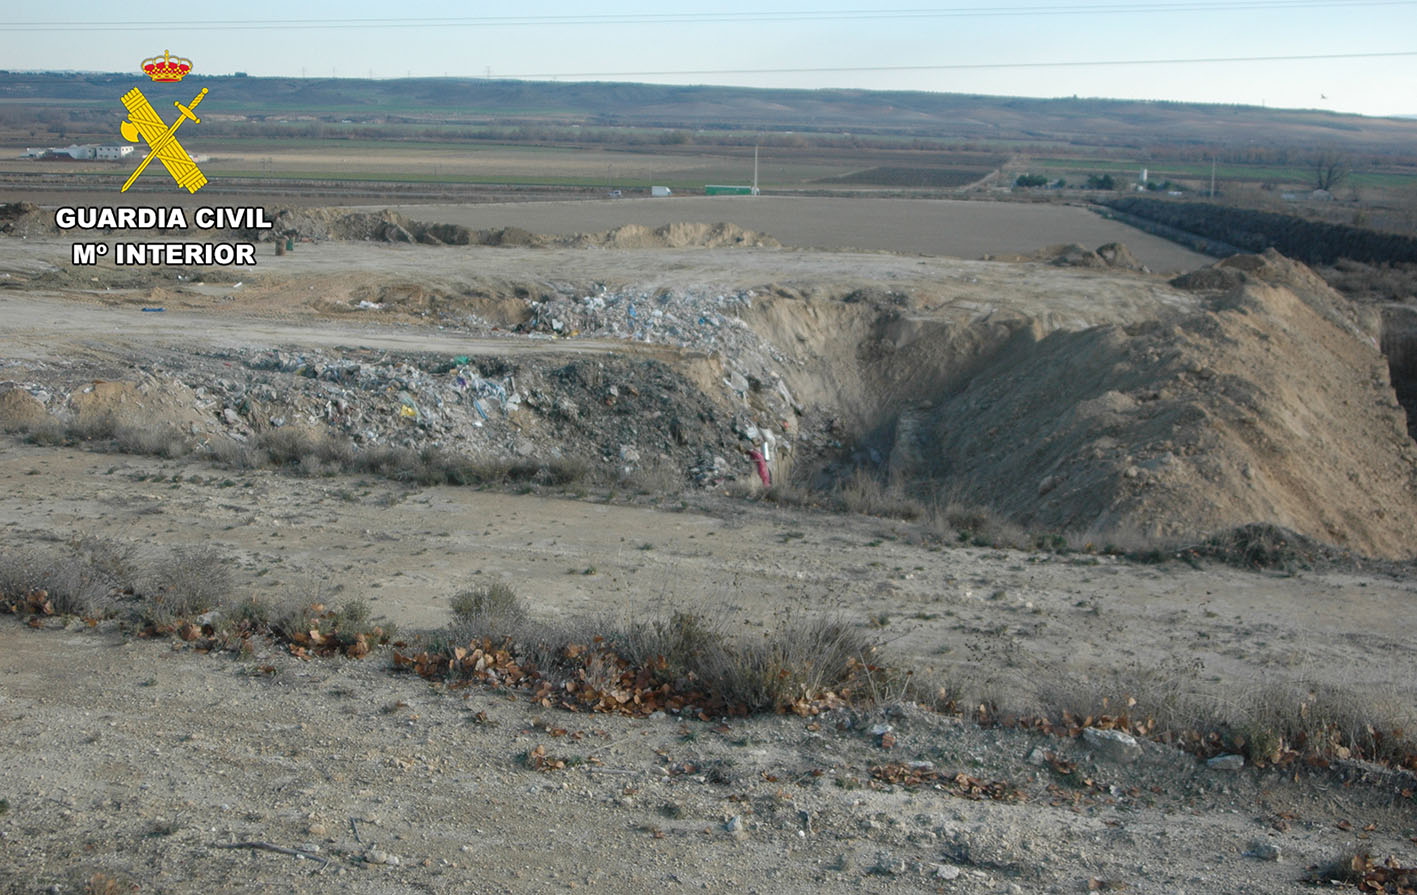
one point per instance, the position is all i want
(140, 762)
(951, 227)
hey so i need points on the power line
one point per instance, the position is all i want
(957, 66)
(700, 18)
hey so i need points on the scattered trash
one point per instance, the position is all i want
(763, 473)
(154, 310)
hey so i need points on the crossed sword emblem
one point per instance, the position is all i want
(162, 142)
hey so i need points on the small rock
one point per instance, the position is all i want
(736, 827)
(888, 864)
(375, 856)
(1264, 851)
(1229, 762)
(1115, 745)
(947, 871)
(317, 829)
(1038, 757)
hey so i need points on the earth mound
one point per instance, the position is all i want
(25, 219)
(390, 226)
(1271, 403)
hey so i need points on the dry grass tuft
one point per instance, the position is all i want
(866, 494)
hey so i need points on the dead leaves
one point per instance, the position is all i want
(1071, 725)
(1389, 877)
(913, 776)
(538, 759)
(590, 678)
(321, 635)
(35, 603)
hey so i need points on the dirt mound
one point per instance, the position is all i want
(141, 404)
(1117, 255)
(679, 235)
(1271, 404)
(1112, 256)
(390, 226)
(336, 223)
(25, 219)
(1207, 278)
(19, 409)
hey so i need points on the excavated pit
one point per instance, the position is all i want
(1399, 346)
(1268, 401)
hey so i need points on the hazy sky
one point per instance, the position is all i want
(732, 42)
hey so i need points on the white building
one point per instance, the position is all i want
(108, 152)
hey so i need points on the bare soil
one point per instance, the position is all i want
(139, 762)
(955, 228)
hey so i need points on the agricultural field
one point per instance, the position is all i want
(930, 227)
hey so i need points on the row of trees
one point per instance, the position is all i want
(1327, 171)
(1093, 182)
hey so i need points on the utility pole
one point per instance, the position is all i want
(755, 169)
(1212, 176)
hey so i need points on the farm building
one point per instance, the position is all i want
(106, 152)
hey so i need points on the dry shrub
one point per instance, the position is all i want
(236, 454)
(799, 661)
(1265, 722)
(1372, 282)
(93, 428)
(184, 584)
(48, 432)
(1322, 719)
(1261, 545)
(494, 607)
(980, 526)
(866, 494)
(792, 494)
(81, 578)
(163, 441)
(658, 478)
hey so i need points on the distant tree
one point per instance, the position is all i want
(1031, 180)
(1329, 169)
(1105, 182)
(1060, 184)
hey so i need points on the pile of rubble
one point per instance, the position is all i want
(707, 322)
(621, 415)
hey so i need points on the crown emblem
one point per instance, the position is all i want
(166, 68)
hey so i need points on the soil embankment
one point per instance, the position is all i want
(1069, 391)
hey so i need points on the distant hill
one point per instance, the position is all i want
(1082, 122)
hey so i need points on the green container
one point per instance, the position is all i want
(290, 244)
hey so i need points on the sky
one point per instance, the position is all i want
(1040, 48)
